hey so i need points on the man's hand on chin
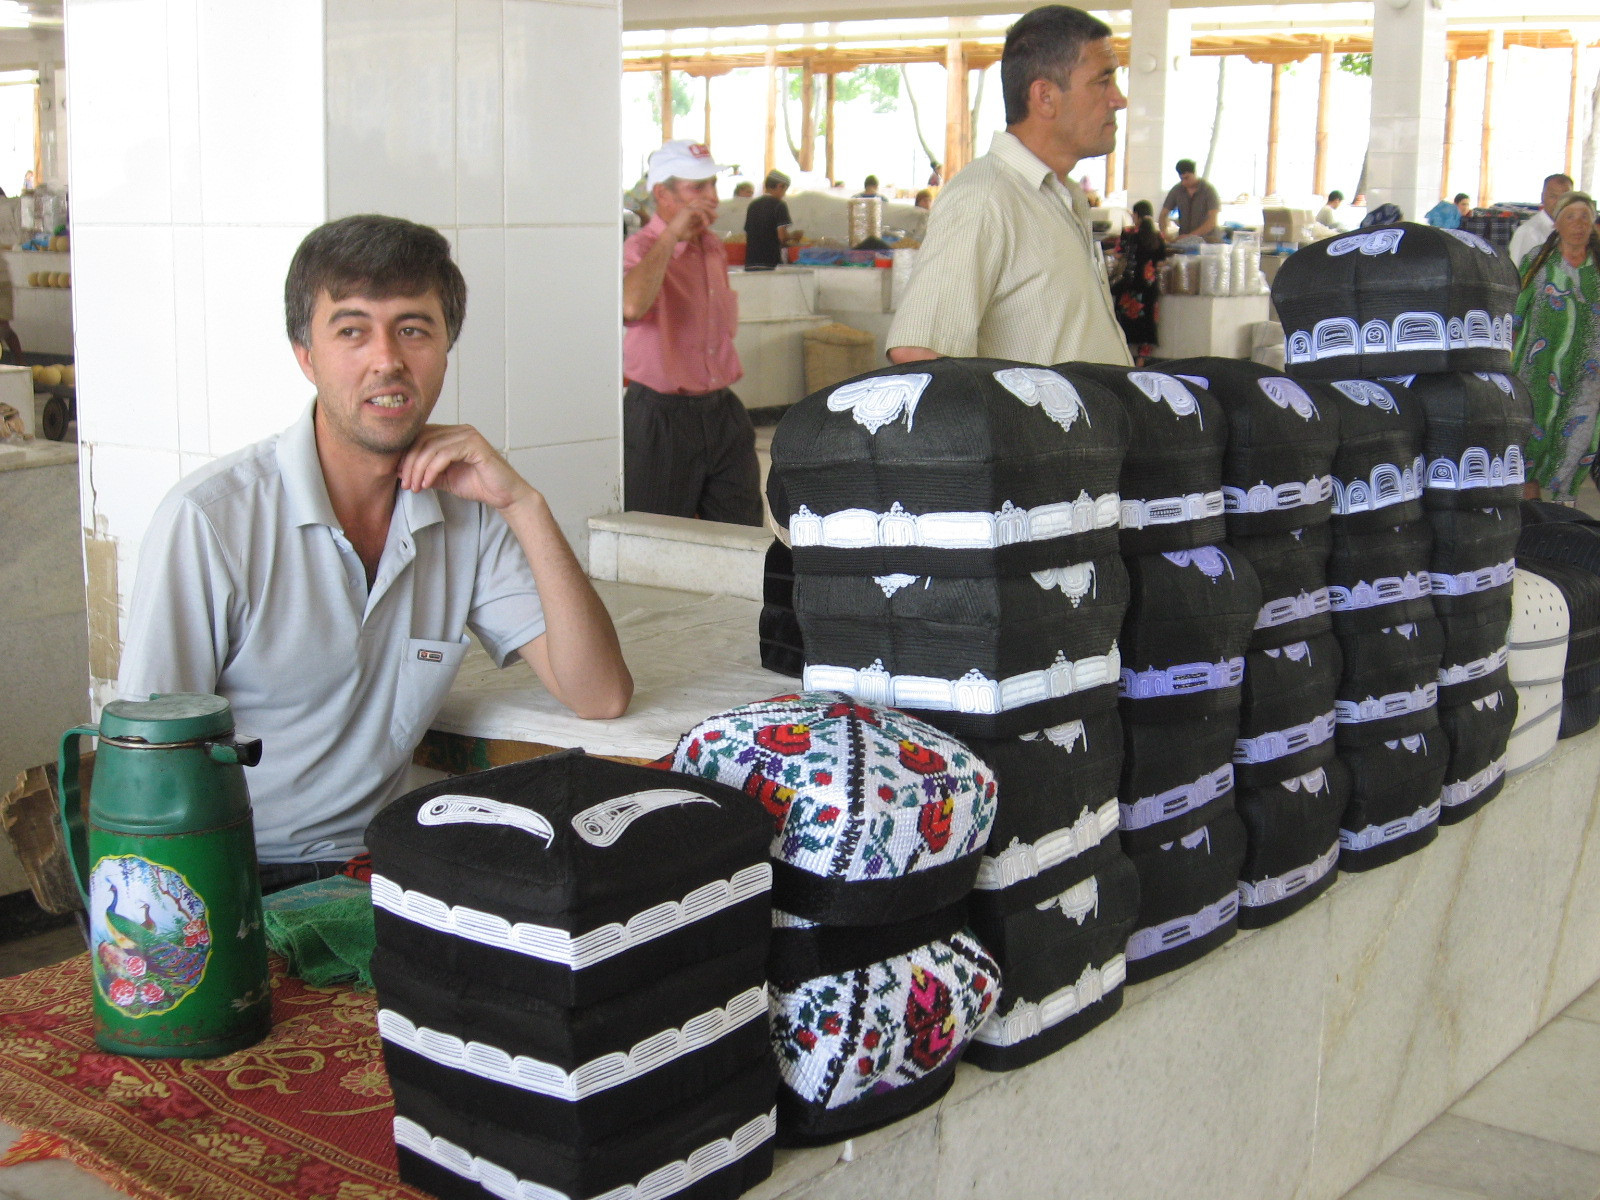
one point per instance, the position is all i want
(459, 460)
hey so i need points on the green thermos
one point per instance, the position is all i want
(166, 862)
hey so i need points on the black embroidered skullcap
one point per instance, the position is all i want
(782, 649)
(802, 949)
(1474, 554)
(1580, 587)
(1176, 776)
(1477, 424)
(578, 1075)
(1188, 898)
(862, 1048)
(1396, 299)
(1291, 842)
(1172, 476)
(1394, 799)
(1389, 687)
(1380, 470)
(527, 876)
(718, 1145)
(873, 816)
(1058, 799)
(984, 657)
(950, 467)
(1477, 654)
(1478, 733)
(1191, 614)
(1277, 471)
(1293, 571)
(1018, 923)
(1063, 968)
(1380, 578)
(1286, 717)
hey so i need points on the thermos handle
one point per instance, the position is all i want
(72, 825)
(237, 748)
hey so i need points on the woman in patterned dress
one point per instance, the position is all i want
(1137, 291)
(1558, 349)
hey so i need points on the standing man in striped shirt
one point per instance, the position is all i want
(1008, 268)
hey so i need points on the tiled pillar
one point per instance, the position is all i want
(207, 139)
(1404, 153)
(1158, 56)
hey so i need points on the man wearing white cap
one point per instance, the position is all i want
(688, 445)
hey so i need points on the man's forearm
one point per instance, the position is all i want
(641, 284)
(905, 354)
(580, 660)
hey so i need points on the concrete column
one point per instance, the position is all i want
(208, 139)
(1158, 57)
(1408, 104)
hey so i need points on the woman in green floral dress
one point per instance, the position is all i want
(1558, 349)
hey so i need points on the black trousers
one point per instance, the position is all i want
(690, 456)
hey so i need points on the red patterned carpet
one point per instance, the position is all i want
(304, 1114)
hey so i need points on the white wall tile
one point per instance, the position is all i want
(126, 339)
(190, 340)
(391, 98)
(119, 134)
(563, 159)
(480, 126)
(262, 138)
(578, 480)
(183, 101)
(564, 334)
(481, 353)
(254, 386)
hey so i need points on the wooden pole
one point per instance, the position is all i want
(1449, 129)
(772, 107)
(1572, 103)
(1319, 166)
(1111, 172)
(666, 97)
(1272, 129)
(1485, 176)
(808, 116)
(957, 135)
(708, 113)
(827, 142)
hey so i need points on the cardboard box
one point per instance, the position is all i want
(1284, 225)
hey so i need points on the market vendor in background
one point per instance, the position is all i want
(1536, 230)
(766, 225)
(1196, 203)
(1557, 343)
(322, 581)
(688, 447)
(1008, 267)
(1327, 215)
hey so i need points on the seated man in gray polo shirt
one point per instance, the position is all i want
(322, 581)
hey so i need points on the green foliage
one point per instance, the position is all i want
(682, 101)
(879, 86)
(1356, 64)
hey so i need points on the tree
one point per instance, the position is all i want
(1216, 119)
(682, 101)
(1359, 65)
(916, 116)
(1591, 144)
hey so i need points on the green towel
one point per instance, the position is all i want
(324, 929)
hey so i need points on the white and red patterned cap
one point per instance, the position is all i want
(681, 159)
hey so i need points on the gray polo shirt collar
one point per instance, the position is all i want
(307, 491)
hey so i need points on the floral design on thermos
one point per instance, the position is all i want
(149, 935)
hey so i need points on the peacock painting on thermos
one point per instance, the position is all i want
(150, 934)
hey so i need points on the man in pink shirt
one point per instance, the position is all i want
(689, 448)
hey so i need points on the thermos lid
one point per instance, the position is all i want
(173, 717)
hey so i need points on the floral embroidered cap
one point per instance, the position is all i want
(869, 1046)
(950, 467)
(873, 816)
(1393, 299)
(1277, 470)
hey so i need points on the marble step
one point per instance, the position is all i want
(678, 552)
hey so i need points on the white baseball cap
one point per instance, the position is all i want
(682, 159)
